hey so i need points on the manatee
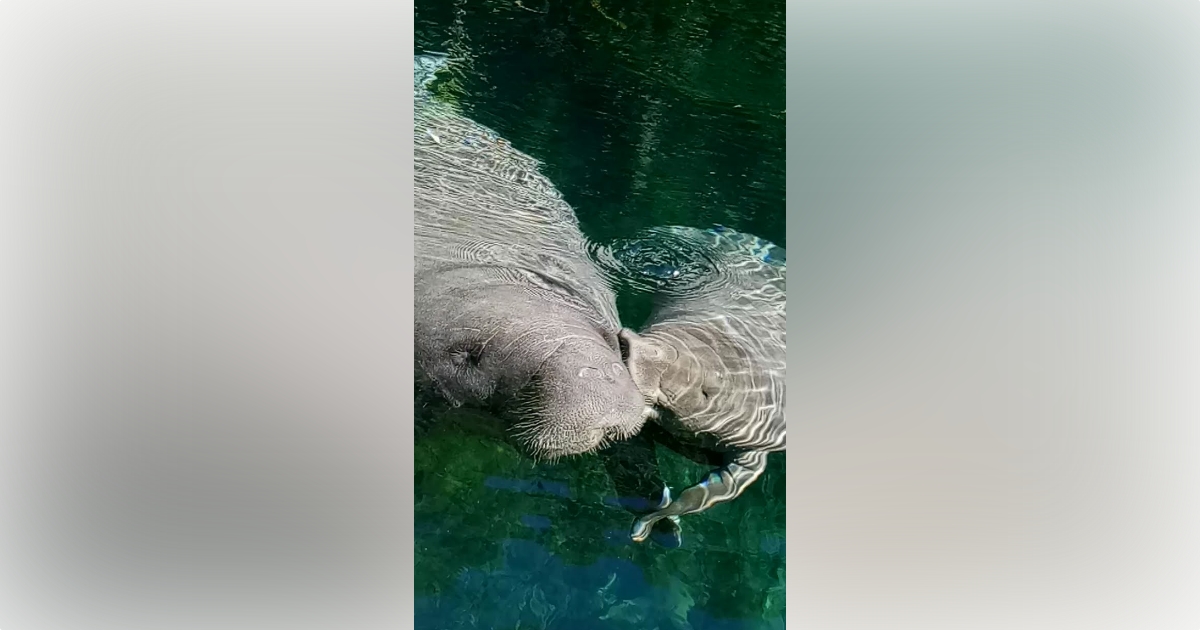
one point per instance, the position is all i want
(511, 312)
(711, 358)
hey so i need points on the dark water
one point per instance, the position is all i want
(644, 113)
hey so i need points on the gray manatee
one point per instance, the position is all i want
(712, 358)
(511, 311)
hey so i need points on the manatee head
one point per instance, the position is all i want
(648, 361)
(544, 366)
(580, 399)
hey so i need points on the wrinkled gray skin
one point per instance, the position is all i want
(713, 360)
(511, 312)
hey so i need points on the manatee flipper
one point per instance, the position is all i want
(667, 532)
(721, 485)
(632, 464)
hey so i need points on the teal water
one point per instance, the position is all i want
(644, 113)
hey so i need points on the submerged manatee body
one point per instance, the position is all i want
(712, 356)
(511, 311)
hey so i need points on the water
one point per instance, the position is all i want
(644, 114)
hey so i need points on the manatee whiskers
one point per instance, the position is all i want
(539, 437)
(544, 448)
(533, 442)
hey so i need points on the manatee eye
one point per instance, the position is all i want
(590, 372)
(462, 357)
(617, 369)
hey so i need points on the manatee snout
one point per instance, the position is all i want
(647, 360)
(583, 398)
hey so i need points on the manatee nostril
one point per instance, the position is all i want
(590, 372)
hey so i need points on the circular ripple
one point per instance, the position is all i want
(670, 260)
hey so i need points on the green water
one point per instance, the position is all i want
(645, 113)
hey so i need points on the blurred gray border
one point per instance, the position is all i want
(205, 315)
(994, 242)
(406, 493)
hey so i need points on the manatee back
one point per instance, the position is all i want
(481, 202)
